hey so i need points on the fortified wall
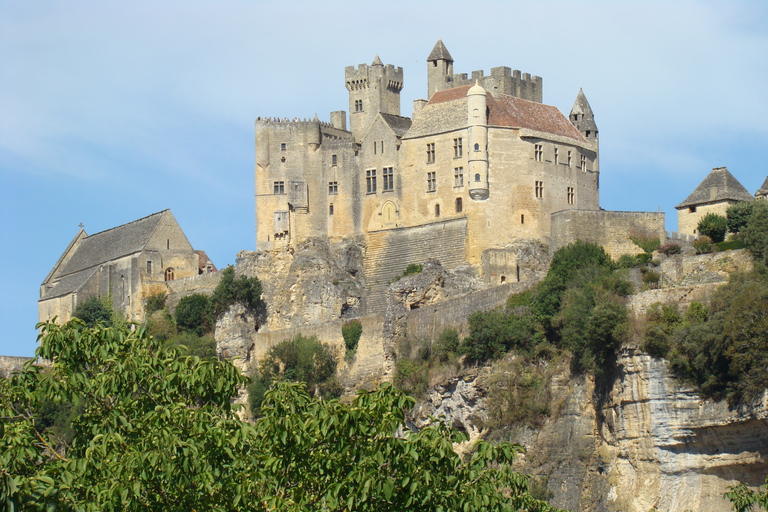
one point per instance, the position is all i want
(179, 288)
(11, 364)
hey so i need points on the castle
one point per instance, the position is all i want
(481, 164)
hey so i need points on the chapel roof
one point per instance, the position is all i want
(447, 111)
(399, 124)
(719, 185)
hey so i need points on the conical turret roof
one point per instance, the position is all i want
(719, 185)
(440, 52)
(377, 61)
(586, 118)
(762, 191)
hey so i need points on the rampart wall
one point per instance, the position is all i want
(179, 288)
(11, 364)
(610, 229)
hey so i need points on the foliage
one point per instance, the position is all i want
(300, 359)
(737, 215)
(351, 332)
(714, 226)
(189, 343)
(193, 314)
(155, 303)
(420, 361)
(704, 245)
(161, 325)
(411, 269)
(157, 432)
(94, 310)
(412, 376)
(241, 290)
(647, 242)
(745, 499)
(730, 245)
(650, 278)
(755, 233)
(494, 333)
(670, 249)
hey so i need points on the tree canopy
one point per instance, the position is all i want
(157, 431)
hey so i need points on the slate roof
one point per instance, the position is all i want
(440, 52)
(763, 190)
(581, 106)
(100, 248)
(447, 111)
(399, 124)
(719, 185)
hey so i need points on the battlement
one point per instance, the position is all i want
(502, 80)
(295, 122)
(359, 77)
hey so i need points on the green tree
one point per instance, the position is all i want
(351, 332)
(193, 314)
(158, 432)
(745, 499)
(94, 310)
(755, 233)
(714, 226)
(737, 215)
(236, 290)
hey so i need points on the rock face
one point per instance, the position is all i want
(648, 443)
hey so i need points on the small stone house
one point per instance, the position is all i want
(715, 194)
(126, 263)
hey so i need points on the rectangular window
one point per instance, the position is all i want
(539, 189)
(358, 105)
(282, 146)
(538, 152)
(374, 147)
(459, 206)
(382, 147)
(431, 153)
(330, 209)
(557, 156)
(149, 267)
(279, 187)
(333, 188)
(370, 180)
(583, 163)
(334, 160)
(389, 178)
(569, 159)
(571, 195)
(458, 176)
(431, 182)
(458, 150)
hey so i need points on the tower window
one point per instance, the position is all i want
(374, 147)
(358, 105)
(459, 205)
(149, 267)
(569, 159)
(557, 156)
(522, 218)
(370, 180)
(282, 146)
(477, 147)
(279, 187)
(538, 152)
(167, 243)
(539, 189)
(477, 178)
(169, 274)
(583, 163)
(458, 177)
(431, 153)
(571, 195)
(334, 160)
(389, 178)
(330, 209)
(458, 150)
(437, 210)
(333, 188)
(691, 209)
(431, 182)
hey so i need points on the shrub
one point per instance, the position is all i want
(737, 215)
(203, 347)
(95, 310)
(643, 258)
(730, 245)
(755, 233)
(446, 346)
(494, 333)
(351, 332)
(413, 268)
(626, 261)
(193, 314)
(155, 303)
(714, 226)
(651, 278)
(241, 290)
(670, 249)
(646, 242)
(161, 326)
(412, 376)
(703, 245)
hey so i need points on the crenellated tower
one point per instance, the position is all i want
(372, 89)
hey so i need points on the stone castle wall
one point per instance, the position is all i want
(179, 288)
(610, 229)
(11, 364)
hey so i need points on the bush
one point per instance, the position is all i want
(412, 376)
(627, 261)
(755, 233)
(161, 326)
(703, 245)
(730, 246)
(714, 226)
(203, 347)
(155, 303)
(446, 346)
(646, 242)
(643, 258)
(351, 332)
(95, 310)
(241, 290)
(494, 333)
(300, 359)
(670, 249)
(737, 216)
(651, 279)
(193, 314)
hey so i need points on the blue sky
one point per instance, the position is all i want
(110, 111)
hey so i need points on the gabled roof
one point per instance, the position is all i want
(440, 52)
(100, 248)
(399, 124)
(447, 111)
(718, 186)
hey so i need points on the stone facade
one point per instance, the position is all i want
(127, 263)
(488, 155)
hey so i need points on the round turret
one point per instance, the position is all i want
(477, 105)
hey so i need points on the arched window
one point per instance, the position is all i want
(169, 274)
(477, 147)
(477, 177)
